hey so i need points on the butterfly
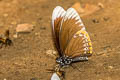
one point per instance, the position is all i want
(70, 36)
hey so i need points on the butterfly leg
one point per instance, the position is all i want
(60, 71)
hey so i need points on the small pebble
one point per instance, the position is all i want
(4, 79)
(106, 18)
(51, 53)
(33, 23)
(15, 36)
(100, 5)
(37, 34)
(14, 23)
(24, 27)
(5, 15)
(40, 18)
(33, 79)
(110, 67)
(78, 7)
(95, 21)
(43, 28)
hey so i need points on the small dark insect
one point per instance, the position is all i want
(71, 38)
(95, 21)
(5, 40)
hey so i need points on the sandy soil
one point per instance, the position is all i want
(27, 58)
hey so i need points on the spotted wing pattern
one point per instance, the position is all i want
(73, 38)
(80, 45)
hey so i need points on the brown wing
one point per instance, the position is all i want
(79, 45)
(57, 16)
(71, 25)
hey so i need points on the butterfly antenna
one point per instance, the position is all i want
(50, 70)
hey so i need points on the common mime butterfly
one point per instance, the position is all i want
(70, 36)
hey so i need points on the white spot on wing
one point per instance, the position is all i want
(75, 36)
(78, 22)
(84, 41)
(83, 27)
(74, 15)
(60, 12)
(85, 45)
(80, 34)
(68, 14)
(86, 48)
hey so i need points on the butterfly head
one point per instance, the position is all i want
(63, 61)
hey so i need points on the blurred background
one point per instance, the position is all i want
(29, 22)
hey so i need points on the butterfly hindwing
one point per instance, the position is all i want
(80, 45)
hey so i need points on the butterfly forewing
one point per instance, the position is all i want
(57, 16)
(71, 23)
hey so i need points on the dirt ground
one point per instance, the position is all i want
(27, 58)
